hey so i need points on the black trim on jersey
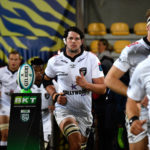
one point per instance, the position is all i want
(46, 82)
(11, 70)
(148, 20)
(146, 41)
(73, 59)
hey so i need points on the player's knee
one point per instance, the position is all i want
(4, 131)
(71, 129)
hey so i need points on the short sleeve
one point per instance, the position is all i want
(122, 62)
(49, 71)
(136, 89)
(97, 70)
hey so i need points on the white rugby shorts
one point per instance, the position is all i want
(84, 121)
(136, 138)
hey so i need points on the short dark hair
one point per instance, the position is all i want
(37, 61)
(74, 29)
(105, 41)
(14, 52)
(147, 13)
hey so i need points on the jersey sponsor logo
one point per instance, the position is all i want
(25, 76)
(79, 92)
(72, 65)
(80, 59)
(83, 70)
(74, 86)
(62, 74)
(100, 67)
(25, 100)
(64, 61)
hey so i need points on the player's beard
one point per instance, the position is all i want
(75, 51)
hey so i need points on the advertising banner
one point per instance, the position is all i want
(25, 126)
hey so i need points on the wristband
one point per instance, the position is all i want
(132, 119)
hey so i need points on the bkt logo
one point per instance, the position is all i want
(25, 100)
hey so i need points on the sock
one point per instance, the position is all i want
(3, 143)
(120, 140)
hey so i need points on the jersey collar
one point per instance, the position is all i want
(73, 59)
(13, 72)
(146, 41)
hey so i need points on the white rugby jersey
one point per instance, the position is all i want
(45, 102)
(132, 55)
(66, 69)
(9, 84)
(45, 97)
(139, 85)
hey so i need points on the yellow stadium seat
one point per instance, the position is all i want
(119, 28)
(94, 46)
(120, 44)
(140, 28)
(96, 29)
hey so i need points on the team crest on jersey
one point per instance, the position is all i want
(83, 70)
(47, 95)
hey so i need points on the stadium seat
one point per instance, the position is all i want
(96, 29)
(94, 46)
(140, 28)
(120, 44)
(119, 28)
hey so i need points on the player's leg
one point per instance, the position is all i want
(141, 145)
(77, 128)
(46, 128)
(71, 131)
(4, 124)
(69, 127)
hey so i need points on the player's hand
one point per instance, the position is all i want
(136, 126)
(62, 100)
(81, 81)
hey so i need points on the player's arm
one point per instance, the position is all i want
(132, 112)
(57, 97)
(48, 85)
(97, 86)
(112, 81)
(131, 108)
